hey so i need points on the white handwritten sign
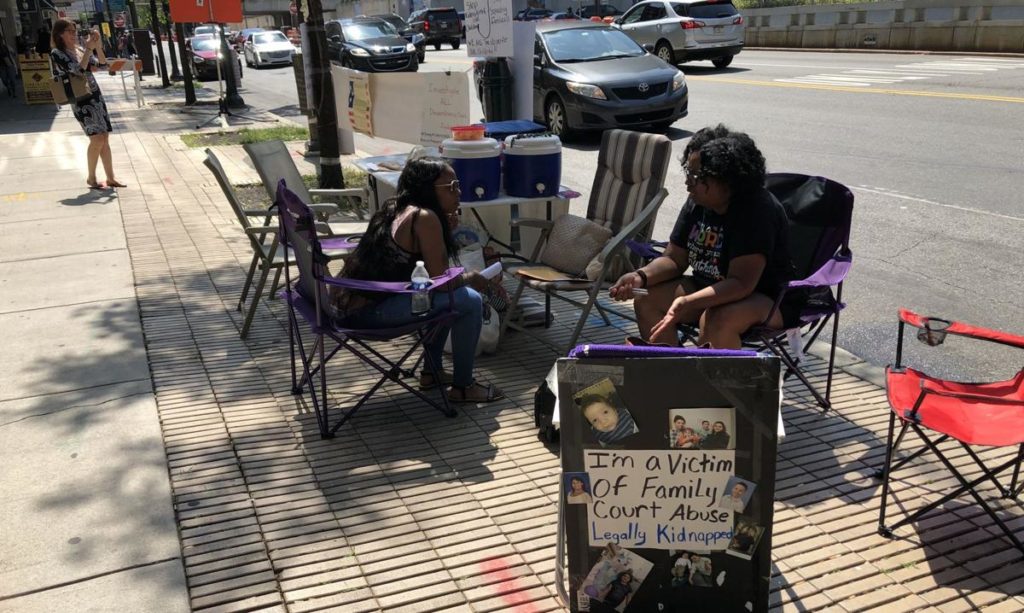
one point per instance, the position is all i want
(489, 28)
(352, 96)
(445, 102)
(659, 499)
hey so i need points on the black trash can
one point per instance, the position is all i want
(498, 96)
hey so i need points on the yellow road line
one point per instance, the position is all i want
(859, 90)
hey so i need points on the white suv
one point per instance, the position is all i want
(685, 30)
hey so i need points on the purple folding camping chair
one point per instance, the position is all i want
(307, 297)
(820, 213)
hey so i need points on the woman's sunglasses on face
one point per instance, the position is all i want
(453, 187)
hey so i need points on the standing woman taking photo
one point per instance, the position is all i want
(70, 59)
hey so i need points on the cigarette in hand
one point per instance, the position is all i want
(637, 291)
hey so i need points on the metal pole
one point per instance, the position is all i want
(154, 26)
(323, 99)
(110, 39)
(175, 74)
(133, 13)
(186, 70)
(231, 97)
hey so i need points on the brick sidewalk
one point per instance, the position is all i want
(409, 511)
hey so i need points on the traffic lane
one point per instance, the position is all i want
(927, 72)
(950, 263)
(961, 152)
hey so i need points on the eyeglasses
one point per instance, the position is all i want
(453, 187)
(691, 175)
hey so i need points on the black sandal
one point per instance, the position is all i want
(493, 394)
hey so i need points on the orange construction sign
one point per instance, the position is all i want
(206, 11)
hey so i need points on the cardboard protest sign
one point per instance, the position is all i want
(353, 99)
(489, 28)
(417, 108)
(668, 481)
(445, 104)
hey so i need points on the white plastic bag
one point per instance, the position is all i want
(488, 341)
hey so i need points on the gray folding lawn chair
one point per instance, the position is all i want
(273, 162)
(627, 192)
(261, 226)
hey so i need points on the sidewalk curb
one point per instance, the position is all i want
(850, 363)
(887, 51)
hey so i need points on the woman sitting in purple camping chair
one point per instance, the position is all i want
(733, 236)
(417, 225)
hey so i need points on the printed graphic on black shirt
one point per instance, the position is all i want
(704, 245)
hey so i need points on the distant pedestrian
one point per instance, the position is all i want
(42, 41)
(68, 59)
(8, 70)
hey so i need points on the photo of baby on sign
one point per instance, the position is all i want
(609, 419)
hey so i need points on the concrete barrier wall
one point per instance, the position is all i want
(921, 25)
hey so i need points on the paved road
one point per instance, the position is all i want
(932, 146)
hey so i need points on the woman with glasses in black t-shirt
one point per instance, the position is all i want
(732, 235)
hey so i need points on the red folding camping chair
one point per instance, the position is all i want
(972, 414)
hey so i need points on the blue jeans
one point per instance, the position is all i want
(467, 303)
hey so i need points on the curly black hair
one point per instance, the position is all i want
(415, 188)
(703, 137)
(735, 160)
(727, 155)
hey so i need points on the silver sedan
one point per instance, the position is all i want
(268, 48)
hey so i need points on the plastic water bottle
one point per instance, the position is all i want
(420, 283)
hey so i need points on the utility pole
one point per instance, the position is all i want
(186, 70)
(154, 26)
(175, 75)
(134, 14)
(110, 39)
(323, 98)
(231, 97)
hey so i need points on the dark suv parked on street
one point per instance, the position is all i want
(370, 45)
(438, 26)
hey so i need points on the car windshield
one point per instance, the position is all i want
(206, 30)
(205, 44)
(396, 22)
(590, 44)
(269, 37)
(363, 31)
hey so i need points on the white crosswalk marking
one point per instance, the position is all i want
(917, 71)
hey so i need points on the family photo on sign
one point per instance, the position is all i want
(614, 579)
(701, 429)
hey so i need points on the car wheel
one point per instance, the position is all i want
(437, 46)
(247, 62)
(722, 62)
(455, 44)
(664, 51)
(558, 121)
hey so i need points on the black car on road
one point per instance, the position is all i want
(438, 26)
(406, 32)
(590, 76)
(371, 45)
